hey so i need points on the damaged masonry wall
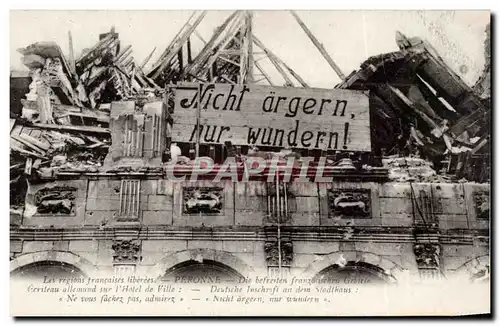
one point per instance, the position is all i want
(138, 134)
(455, 209)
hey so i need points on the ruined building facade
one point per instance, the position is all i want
(131, 218)
(128, 216)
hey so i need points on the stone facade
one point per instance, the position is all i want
(401, 229)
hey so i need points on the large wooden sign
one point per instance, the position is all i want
(255, 115)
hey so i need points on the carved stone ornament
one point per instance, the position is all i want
(272, 253)
(56, 200)
(126, 251)
(203, 200)
(482, 205)
(349, 203)
(427, 255)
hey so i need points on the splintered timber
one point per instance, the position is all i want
(272, 116)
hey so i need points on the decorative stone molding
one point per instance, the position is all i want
(482, 205)
(272, 252)
(427, 255)
(126, 251)
(203, 200)
(349, 203)
(59, 200)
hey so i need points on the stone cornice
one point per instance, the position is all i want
(161, 172)
(367, 234)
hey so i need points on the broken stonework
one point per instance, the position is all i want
(138, 134)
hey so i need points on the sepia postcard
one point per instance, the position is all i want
(250, 163)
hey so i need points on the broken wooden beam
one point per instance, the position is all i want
(147, 58)
(176, 45)
(274, 61)
(463, 124)
(71, 128)
(25, 152)
(410, 104)
(28, 144)
(230, 61)
(207, 50)
(28, 165)
(103, 119)
(200, 37)
(105, 40)
(37, 163)
(35, 142)
(72, 63)
(125, 52)
(278, 60)
(266, 76)
(319, 46)
(480, 144)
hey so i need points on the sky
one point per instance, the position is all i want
(350, 37)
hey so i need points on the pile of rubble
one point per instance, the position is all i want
(419, 106)
(73, 96)
(102, 74)
(414, 169)
(64, 122)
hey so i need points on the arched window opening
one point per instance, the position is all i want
(207, 271)
(354, 273)
(49, 269)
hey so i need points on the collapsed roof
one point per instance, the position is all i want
(419, 103)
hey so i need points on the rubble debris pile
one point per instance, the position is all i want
(420, 107)
(102, 74)
(43, 150)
